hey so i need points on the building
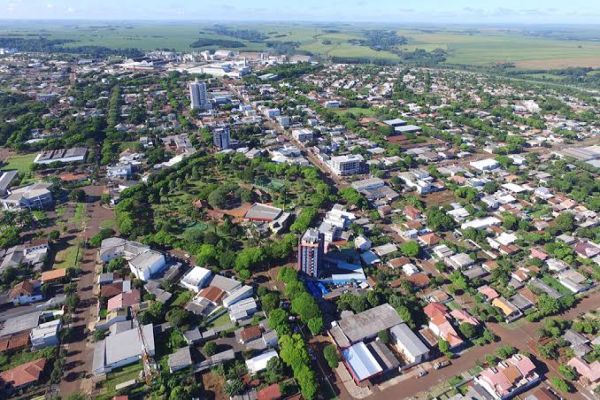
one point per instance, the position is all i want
(509, 377)
(222, 138)
(310, 252)
(199, 96)
(259, 363)
(46, 334)
(6, 180)
(36, 196)
(409, 344)
(147, 264)
(350, 164)
(122, 348)
(182, 358)
(361, 364)
(115, 247)
(25, 292)
(22, 376)
(365, 325)
(76, 154)
(196, 279)
(303, 135)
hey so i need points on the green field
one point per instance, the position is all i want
(468, 45)
(21, 163)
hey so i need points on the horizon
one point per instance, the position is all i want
(459, 12)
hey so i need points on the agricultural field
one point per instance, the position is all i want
(464, 46)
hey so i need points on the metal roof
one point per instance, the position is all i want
(411, 343)
(361, 362)
(370, 322)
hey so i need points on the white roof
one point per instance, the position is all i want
(196, 277)
(259, 362)
(361, 361)
(488, 163)
(481, 223)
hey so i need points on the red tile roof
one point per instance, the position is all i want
(24, 374)
(269, 393)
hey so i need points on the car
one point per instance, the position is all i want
(422, 373)
(441, 364)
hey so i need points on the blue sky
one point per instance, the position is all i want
(415, 11)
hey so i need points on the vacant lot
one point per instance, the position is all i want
(21, 162)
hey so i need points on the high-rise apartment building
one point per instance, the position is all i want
(310, 252)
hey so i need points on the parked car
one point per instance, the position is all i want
(441, 364)
(422, 373)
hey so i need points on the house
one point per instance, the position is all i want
(45, 335)
(510, 312)
(147, 264)
(271, 392)
(587, 249)
(23, 375)
(488, 292)
(54, 275)
(440, 325)
(429, 239)
(259, 363)
(122, 347)
(182, 358)
(590, 372)
(249, 334)
(14, 342)
(408, 344)
(124, 300)
(25, 292)
(115, 247)
(459, 261)
(509, 377)
(196, 279)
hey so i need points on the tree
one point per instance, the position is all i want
(315, 325)
(177, 317)
(565, 222)
(275, 370)
(459, 281)
(9, 236)
(384, 336)
(547, 305)
(331, 356)
(561, 384)
(410, 248)
(278, 320)
(444, 346)
(438, 220)
(77, 195)
(568, 372)
(270, 301)
(234, 386)
(468, 331)
(307, 380)
(210, 348)
(97, 239)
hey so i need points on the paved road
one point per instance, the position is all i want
(79, 351)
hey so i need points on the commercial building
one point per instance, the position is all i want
(365, 325)
(196, 279)
(36, 196)
(259, 362)
(222, 138)
(347, 165)
(303, 135)
(199, 96)
(76, 154)
(310, 252)
(360, 362)
(408, 344)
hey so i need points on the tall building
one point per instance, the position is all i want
(199, 96)
(222, 138)
(310, 252)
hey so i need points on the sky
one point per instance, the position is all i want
(402, 11)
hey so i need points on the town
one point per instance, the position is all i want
(248, 226)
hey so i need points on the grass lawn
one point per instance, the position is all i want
(79, 215)
(119, 376)
(21, 163)
(222, 320)
(68, 257)
(109, 223)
